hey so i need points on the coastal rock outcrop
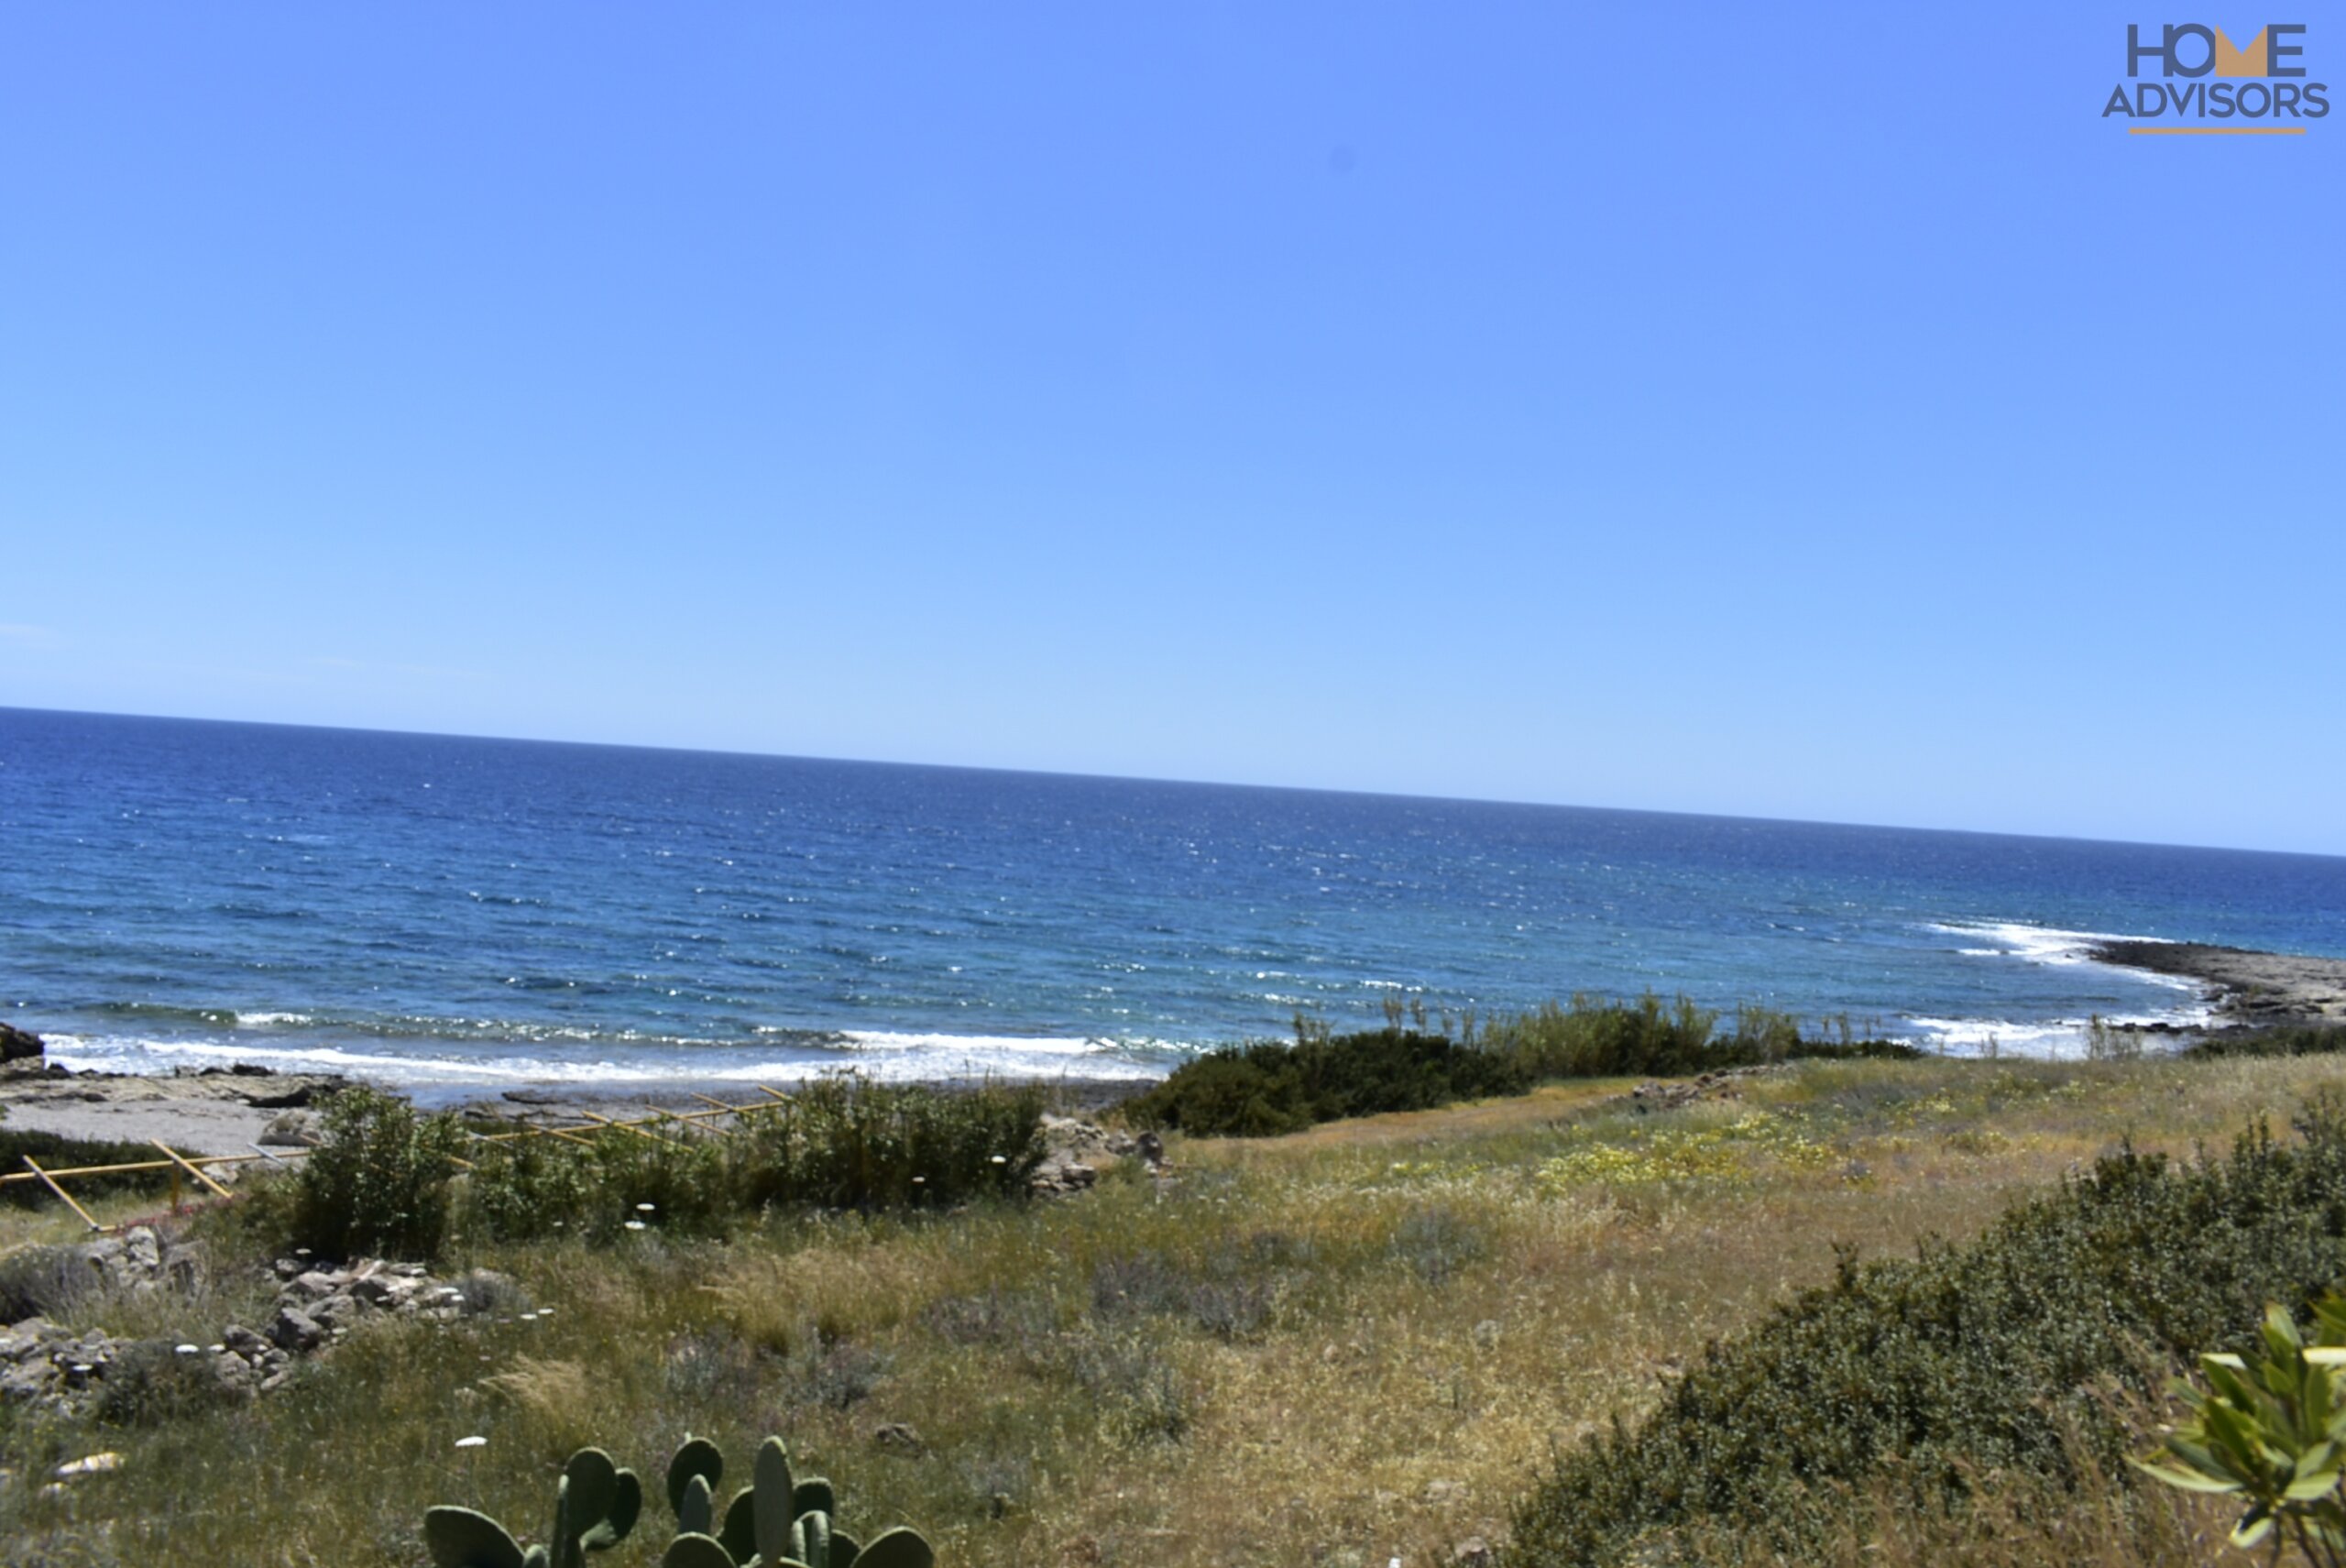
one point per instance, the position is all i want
(20, 1045)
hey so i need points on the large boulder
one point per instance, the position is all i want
(18, 1044)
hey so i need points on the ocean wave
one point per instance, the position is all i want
(2058, 949)
(2034, 944)
(890, 1056)
(2061, 1039)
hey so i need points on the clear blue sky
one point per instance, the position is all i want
(1797, 411)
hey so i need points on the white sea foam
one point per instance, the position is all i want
(899, 1058)
(2047, 945)
(2035, 944)
(2062, 1038)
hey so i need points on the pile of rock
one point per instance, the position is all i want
(1658, 1096)
(318, 1305)
(45, 1364)
(1078, 1149)
(39, 1361)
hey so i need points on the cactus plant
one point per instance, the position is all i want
(596, 1505)
(696, 1456)
(777, 1522)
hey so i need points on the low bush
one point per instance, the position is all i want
(378, 1181)
(149, 1383)
(2002, 1356)
(1594, 1038)
(1272, 1087)
(2296, 1040)
(850, 1144)
(837, 1143)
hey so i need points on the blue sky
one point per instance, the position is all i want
(1823, 414)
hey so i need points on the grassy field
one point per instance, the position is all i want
(1344, 1346)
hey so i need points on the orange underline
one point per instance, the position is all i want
(2214, 130)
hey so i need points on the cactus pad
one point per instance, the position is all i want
(460, 1538)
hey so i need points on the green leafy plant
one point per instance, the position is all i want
(378, 1181)
(2269, 1428)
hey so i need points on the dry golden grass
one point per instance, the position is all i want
(1351, 1345)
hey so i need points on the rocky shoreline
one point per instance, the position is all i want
(2248, 990)
(236, 1110)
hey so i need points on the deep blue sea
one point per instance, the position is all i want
(448, 913)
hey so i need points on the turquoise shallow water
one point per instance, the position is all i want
(437, 911)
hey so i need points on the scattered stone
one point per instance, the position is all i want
(296, 1330)
(898, 1437)
(1657, 1096)
(1472, 1552)
(313, 1285)
(1151, 1149)
(1444, 1494)
(293, 1129)
(95, 1465)
(47, 1366)
(1059, 1176)
(339, 1312)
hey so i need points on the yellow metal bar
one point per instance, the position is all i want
(695, 1117)
(51, 1182)
(138, 1164)
(631, 1126)
(177, 1160)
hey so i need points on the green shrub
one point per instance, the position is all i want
(379, 1180)
(2295, 1040)
(1923, 1373)
(1273, 1087)
(148, 1383)
(841, 1143)
(849, 1143)
(523, 1187)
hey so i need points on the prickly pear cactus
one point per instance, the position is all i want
(596, 1505)
(777, 1522)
